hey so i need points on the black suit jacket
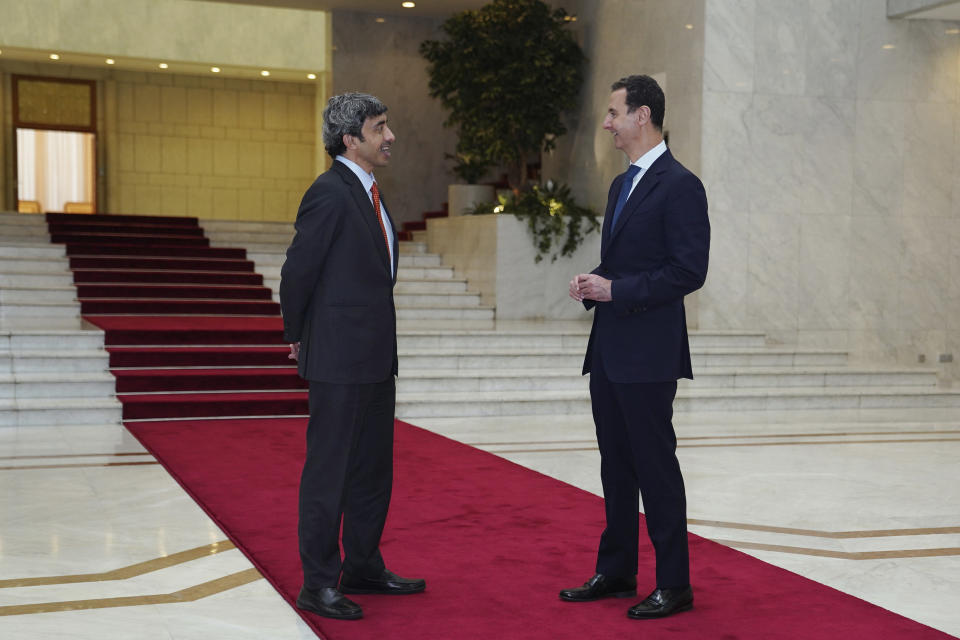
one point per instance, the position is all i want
(336, 288)
(656, 255)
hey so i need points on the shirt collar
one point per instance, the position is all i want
(651, 156)
(366, 179)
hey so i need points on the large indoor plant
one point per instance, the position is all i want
(506, 73)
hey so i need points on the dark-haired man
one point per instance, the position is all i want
(336, 295)
(654, 249)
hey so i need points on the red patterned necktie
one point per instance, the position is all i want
(376, 207)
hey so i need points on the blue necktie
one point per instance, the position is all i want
(625, 186)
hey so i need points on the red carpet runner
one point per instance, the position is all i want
(495, 541)
(191, 330)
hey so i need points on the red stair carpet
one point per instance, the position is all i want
(191, 330)
(495, 541)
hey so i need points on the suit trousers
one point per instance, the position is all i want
(348, 476)
(638, 459)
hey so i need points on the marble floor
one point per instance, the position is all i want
(97, 541)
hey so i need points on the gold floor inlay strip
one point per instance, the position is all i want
(57, 456)
(78, 465)
(876, 533)
(681, 445)
(125, 573)
(844, 555)
(734, 436)
(189, 594)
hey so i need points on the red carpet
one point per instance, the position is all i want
(495, 541)
(191, 330)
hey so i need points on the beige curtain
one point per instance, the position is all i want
(55, 167)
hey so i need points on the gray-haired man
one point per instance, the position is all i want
(336, 294)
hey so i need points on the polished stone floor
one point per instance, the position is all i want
(866, 503)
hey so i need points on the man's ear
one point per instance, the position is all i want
(349, 141)
(643, 114)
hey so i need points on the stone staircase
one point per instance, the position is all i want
(52, 370)
(426, 290)
(449, 369)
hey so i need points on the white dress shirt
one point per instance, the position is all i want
(645, 161)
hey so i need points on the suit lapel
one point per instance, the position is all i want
(365, 209)
(649, 181)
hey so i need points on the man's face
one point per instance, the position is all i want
(624, 126)
(374, 149)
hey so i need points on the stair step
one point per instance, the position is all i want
(206, 405)
(160, 306)
(32, 251)
(49, 411)
(204, 379)
(172, 291)
(116, 276)
(42, 360)
(57, 385)
(199, 356)
(161, 263)
(687, 400)
(60, 341)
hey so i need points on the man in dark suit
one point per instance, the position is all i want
(336, 295)
(654, 250)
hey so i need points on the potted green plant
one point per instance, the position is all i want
(506, 73)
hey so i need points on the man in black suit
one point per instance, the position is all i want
(336, 295)
(654, 249)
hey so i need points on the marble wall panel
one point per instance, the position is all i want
(723, 299)
(928, 159)
(875, 256)
(824, 273)
(831, 34)
(729, 45)
(879, 157)
(924, 273)
(780, 47)
(802, 154)
(934, 55)
(773, 277)
(728, 154)
(884, 56)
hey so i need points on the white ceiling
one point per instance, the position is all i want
(431, 8)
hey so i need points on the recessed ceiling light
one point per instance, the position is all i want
(408, 5)
(54, 56)
(384, 20)
(952, 32)
(570, 18)
(265, 73)
(889, 46)
(688, 26)
(215, 69)
(163, 65)
(312, 76)
(111, 61)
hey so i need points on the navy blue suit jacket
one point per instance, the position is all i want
(656, 255)
(336, 288)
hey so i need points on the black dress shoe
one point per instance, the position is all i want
(601, 586)
(387, 583)
(662, 603)
(329, 603)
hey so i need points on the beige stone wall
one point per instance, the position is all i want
(210, 147)
(382, 59)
